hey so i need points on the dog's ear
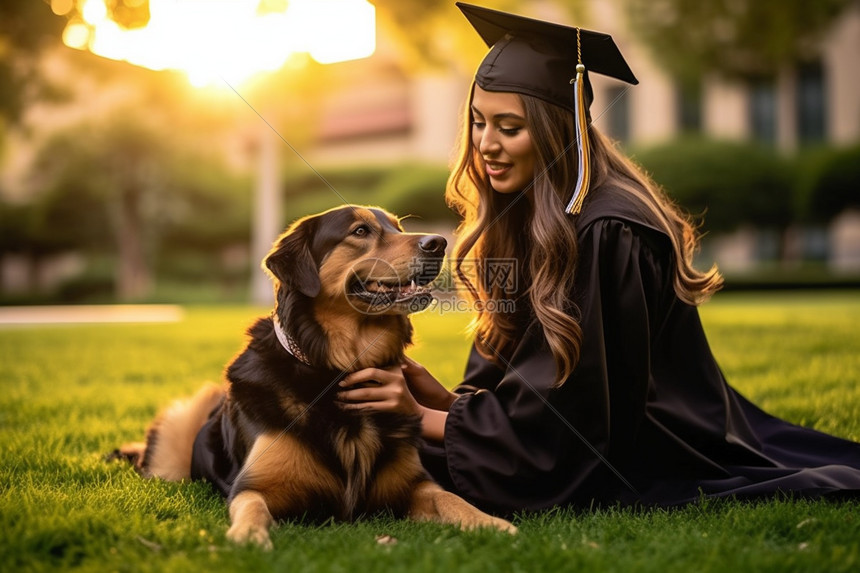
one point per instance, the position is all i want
(290, 261)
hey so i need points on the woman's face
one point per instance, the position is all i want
(499, 133)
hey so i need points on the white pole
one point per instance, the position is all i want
(266, 223)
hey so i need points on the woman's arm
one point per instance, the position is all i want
(433, 424)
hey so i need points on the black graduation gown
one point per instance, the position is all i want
(647, 395)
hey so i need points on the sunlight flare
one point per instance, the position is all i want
(229, 40)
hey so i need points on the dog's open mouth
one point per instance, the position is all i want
(391, 295)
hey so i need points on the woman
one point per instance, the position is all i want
(599, 386)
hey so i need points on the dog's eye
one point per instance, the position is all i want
(361, 231)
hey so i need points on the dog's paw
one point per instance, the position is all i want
(504, 525)
(484, 520)
(256, 535)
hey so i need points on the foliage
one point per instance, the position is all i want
(73, 393)
(415, 189)
(434, 34)
(95, 285)
(409, 18)
(210, 209)
(830, 183)
(121, 187)
(103, 188)
(728, 183)
(26, 26)
(16, 235)
(735, 37)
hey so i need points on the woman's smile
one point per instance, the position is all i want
(496, 169)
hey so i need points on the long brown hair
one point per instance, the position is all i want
(533, 232)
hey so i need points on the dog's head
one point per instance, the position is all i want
(359, 257)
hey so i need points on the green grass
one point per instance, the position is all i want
(72, 393)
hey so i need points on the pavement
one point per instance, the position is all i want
(89, 314)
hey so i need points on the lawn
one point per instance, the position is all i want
(72, 393)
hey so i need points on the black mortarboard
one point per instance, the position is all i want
(547, 61)
(539, 58)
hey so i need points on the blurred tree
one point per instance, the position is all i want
(433, 33)
(124, 188)
(207, 215)
(416, 27)
(735, 37)
(103, 183)
(26, 26)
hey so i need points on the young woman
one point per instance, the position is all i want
(599, 384)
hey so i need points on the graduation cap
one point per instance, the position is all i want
(547, 61)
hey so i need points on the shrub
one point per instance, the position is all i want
(16, 222)
(416, 189)
(830, 183)
(406, 189)
(728, 183)
(96, 285)
(306, 192)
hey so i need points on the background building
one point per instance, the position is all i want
(390, 114)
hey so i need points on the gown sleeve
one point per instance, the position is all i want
(512, 440)
(481, 374)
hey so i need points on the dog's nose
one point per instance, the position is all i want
(432, 244)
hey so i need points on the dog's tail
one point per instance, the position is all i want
(169, 440)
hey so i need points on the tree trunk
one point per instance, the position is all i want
(133, 276)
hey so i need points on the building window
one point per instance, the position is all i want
(810, 100)
(618, 113)
(762, 110)
(689, 110)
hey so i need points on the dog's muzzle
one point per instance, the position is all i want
(380, 288)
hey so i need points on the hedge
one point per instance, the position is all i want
(416, 189)
(829, 183)
(728, 183)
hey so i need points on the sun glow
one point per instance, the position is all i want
(229, 40)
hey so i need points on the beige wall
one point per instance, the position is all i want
(786, 113)
(652, 103)
(724, 108)
(841, 53)
(438, 102)
(433, 104)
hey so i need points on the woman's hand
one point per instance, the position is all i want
(425, 388)
(383, 390)
(388, 390)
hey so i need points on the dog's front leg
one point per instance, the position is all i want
(250, 519)
(432, 503)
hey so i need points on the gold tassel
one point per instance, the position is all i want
(579, 109)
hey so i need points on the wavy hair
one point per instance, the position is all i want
(491, 224)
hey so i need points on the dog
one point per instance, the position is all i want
(274, 440)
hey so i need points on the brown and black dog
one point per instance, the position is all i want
(274, 440)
